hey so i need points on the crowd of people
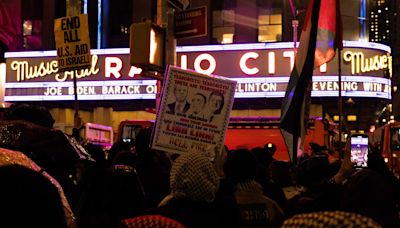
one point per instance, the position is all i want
(50, 180)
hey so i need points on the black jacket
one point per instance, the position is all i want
(171, 107)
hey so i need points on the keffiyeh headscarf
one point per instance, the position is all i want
(330, 219)
(193, 176)
(151, 221)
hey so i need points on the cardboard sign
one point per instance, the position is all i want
(194, 112)
(72, 43)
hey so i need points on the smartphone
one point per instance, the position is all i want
(359, 150)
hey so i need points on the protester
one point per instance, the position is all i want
(9, 157)
(242, 189)
(150, 221)
(253, 207)
(28, 128)
(31, 113)
(123, 196)
(270, 148)
(194, 183)
(29, 199)
(89, 187)
(270, 188)
(336, 219)
(116, 148)
(153, 168)
(317, 194)
(369, 193)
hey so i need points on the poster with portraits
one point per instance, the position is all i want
(194, 112)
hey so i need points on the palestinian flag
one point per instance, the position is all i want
(320, 36)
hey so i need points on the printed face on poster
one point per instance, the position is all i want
(194, 112)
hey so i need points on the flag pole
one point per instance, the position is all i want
(73, 9)
(340, 102)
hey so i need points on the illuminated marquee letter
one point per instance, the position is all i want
(151, 89)
(184, 62)
(361, 64)
(245, 69)
(134, 70)
(271, 62)
(354, 58)
(110, 69)
(290, 55)
(210, 60)
(322, 68)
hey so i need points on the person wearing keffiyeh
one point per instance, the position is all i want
(193, 183)
(253, 208)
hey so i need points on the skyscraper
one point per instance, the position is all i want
(379, 30)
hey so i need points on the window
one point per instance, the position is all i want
(32, 18)
(119, 19)
(223, 26)
(269, 25)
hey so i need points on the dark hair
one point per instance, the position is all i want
(215, 93)
(117, 147)
(367, 192)
(270, 148)
(202, 95)
(316, 148)
(29, 199)
(97, 153)
(143, 140)
(263, 157)
(313, 170)
(240, 165)
(125, 158)
(31, 113)
(281, 173)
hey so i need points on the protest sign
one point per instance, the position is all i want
(194, 112)
(72, 43)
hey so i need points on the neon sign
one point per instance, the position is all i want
(269, 87)
(360, 64)
(271, 62)
(24, 71)
(262, 71)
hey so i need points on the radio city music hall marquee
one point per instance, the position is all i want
(262, 71)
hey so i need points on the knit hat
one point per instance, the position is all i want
(193, 176)
(330, 219)
(149, 221)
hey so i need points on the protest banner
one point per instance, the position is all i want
(72, 43)
(194, 112)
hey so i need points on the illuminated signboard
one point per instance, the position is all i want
(262, 71)
(268, 87)
(277, 59)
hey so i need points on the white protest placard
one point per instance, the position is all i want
(72, 42)
(193, 113)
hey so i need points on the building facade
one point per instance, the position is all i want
(112, 91)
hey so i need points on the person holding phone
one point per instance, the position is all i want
(367, 190)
